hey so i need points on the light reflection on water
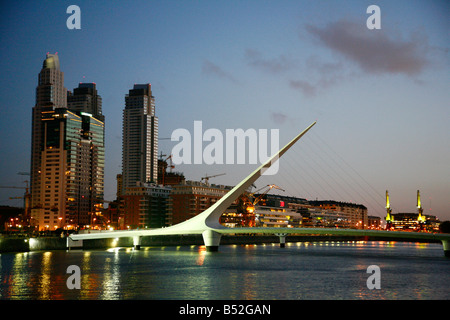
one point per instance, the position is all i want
(304, 270)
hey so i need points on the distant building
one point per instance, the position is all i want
(112, 215)
(373, 222)
(190, 198)
(410, 222)
(168, 178)
(355, 213)
(140, 138)
(145, 206)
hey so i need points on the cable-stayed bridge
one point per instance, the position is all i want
(207, 223)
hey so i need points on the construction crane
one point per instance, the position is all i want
(14, 187)
(206, 177)
(171, 166)
(161, 157)
(26, 198)
(271, 186)
(247, 207)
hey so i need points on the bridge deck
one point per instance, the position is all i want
(319, 231)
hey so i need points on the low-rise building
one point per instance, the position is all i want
(145, 206)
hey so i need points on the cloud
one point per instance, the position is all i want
(305, 87)
(321, 75)
(278, 117)
(275, 65)
(373, 50)
(210, 68)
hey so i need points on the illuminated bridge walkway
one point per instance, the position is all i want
(207, 223)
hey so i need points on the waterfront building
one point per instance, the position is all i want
(410, 222)
(67, 158)
(145, 206)
(356, 213)
(72, 157)
(50, 95)
(373, 222)
(274, 217)
(326, 218)
(112, 215)
(190, 198)
(266, 210)
(140, 138)
(89, 177)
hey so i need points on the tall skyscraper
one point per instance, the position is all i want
(72, 160)
(88, 176)
(86, 99)
(50, 94)
(140, 137)
(67, 163)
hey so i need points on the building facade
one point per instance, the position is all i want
(140, 138)
(356, 214)
(72, 162)
(145, 206)
(86, 99)
(411, 222)
(190, 198)
(67, 160)
(50, 94)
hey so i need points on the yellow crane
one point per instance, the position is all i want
(421, 218)
(388, 213)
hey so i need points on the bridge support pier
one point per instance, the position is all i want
(282, 237)
(137, 243)
(212, 240)
(446, 245)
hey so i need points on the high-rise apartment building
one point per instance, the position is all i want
(72, 162)
(86, 102)
(50, 95)
(67, 161)
(140, 137)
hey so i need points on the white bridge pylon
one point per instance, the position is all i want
(207, 223)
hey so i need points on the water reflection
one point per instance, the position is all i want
(15, 278)
(45, 275)
(111, 281)
(201, 255)
(309, 270)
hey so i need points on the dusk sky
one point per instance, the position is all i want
(381, 97)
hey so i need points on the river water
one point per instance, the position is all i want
(300, 271)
